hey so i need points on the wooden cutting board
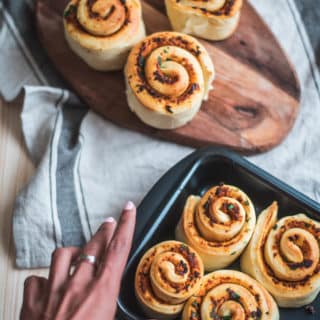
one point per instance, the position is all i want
(252, 108)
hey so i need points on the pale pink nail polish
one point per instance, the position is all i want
(129, 205)
(110, 220)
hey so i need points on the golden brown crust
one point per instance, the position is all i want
(219, 225)
(94, 30)
(168, 71)
(212, 19)
(167, 275)
(230, 293)
(102, 32)
(228, 9)
(284, 256)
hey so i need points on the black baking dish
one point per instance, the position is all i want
(160, 210)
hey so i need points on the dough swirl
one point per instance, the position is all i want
(168, 75)
(208, 19)
(102, 32)
(230, 294)
(284, 256)
(167, 275)
(218, 226)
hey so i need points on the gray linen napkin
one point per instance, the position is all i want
(87, 167)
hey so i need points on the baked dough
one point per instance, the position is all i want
(208, 19)
(168, 75)
(230, 294)
(284, 257)
(167, 275)
(218, 226)
(102, 32)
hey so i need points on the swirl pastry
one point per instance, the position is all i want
(230, 294)
(102, 32)
(167, 275)
(284, 257)
(208, 19)
(218, 226)
(168, 75)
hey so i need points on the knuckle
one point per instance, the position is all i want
(71, 249)
(63, 251)
(58, 252)
(91, 248)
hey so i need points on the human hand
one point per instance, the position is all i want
(91, 291)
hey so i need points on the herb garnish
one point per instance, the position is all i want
(184, 247)
(233, 295)
(214, 316)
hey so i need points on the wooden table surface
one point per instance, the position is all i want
(15, 170)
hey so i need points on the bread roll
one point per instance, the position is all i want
(218, 226)
(167, 275)
(208, 19)
(102, 32)
(230, 294)
(168, 75)
(284, 257)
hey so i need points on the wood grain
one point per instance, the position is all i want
(16, 169)
(256, 96)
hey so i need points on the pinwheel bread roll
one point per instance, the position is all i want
(168, 75)
(208, 19)
(102, 32)
(230, 294)
(167, 275)
(218, 226)
(284, 257)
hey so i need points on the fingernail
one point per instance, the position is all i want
(129, 206)
(110, 220)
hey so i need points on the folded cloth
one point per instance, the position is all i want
(83, 173)
(87, 167)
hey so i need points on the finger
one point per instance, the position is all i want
(34, 286)
(85, 270)
(120, 245)
(33, 294)
(33, 303)
(61, 263)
